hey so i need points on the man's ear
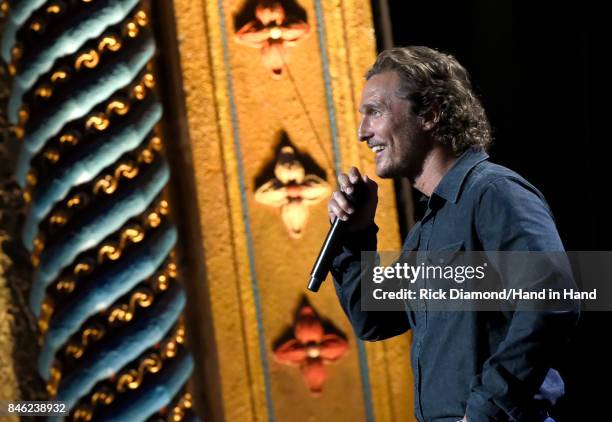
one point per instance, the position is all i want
(431, 119)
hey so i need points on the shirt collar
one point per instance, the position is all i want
(450, 185)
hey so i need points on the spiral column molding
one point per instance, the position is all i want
(92, 169)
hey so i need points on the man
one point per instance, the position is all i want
(422, 120)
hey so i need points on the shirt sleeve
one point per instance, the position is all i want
(347, 274)
(513, 216)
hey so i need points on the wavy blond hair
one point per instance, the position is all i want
(432, 80)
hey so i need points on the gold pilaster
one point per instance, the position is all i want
(236, 116)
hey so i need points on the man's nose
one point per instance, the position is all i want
(363, 132)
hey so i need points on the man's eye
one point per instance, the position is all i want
(376, 113)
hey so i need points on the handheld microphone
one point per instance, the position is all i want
(332, 243)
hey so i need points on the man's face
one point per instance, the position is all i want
(390, 128)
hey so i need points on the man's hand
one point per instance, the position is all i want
(359, 216)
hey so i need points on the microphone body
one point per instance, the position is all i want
(326, 255)
(332, 243)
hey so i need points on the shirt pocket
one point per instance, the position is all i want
(446, 254)
(439, 261)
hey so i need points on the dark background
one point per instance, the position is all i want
(539, 70)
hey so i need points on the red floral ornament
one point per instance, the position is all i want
(273, 33)
(311, 349)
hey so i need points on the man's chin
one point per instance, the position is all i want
(384, 173)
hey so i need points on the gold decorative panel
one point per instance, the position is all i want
(238, 119)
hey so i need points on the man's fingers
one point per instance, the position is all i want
(344, 184)
(342, 201)
(341, 206)
(354, 175)
(336, 211)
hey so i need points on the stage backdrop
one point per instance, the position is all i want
(264, 98)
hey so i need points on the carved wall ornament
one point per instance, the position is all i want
(293, 191)
(85, 106)
(311, 348)
(273, 32)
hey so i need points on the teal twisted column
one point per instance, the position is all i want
(92, 168)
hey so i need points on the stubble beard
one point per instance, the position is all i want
(410, 164)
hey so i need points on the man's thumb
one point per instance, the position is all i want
(371, 184)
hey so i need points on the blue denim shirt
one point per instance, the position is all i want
(492, 366)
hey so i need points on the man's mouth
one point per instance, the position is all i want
(377, 148)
